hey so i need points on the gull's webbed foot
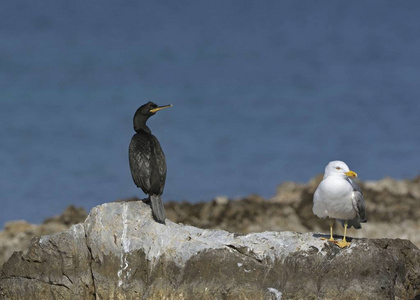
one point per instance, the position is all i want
(342, 244)
(331, 239)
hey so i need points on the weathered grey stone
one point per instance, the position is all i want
(52, 267)
(17, 234)
(119, 252)
(391, 205)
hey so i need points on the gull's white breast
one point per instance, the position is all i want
(333, 198)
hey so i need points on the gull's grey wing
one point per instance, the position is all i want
(358, 201)
(358, 204)
(355, 186)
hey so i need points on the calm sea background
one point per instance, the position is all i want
(263, 92)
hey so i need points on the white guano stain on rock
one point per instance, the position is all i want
(276, 293)
(124, 272)
(43, 239)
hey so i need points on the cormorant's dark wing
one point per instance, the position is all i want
(159, 167)
(139, 156)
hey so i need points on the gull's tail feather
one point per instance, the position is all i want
(158, 210)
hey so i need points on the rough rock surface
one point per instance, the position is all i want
(119, 252)
(393, 211)
(392, 206)
(17, 234)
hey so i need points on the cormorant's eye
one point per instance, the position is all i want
(337, 168)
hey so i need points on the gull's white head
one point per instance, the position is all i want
(338, 168)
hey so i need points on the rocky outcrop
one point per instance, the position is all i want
(17, 234)
(119, 252)
(393, 211)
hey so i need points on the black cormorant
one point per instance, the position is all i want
(147, 161)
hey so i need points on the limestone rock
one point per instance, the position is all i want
(52, 267)
(119, 252)
(17, 234)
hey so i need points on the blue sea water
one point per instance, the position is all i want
(263, 92)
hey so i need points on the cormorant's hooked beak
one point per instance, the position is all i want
(160, 107)
(351, 174)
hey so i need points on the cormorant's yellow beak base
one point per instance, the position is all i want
(351, 174)
(160, 107)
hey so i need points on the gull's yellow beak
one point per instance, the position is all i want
(160, 107)
(351, 174)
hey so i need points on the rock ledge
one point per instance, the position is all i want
(119, 252)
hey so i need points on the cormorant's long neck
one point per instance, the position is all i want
(140, 123)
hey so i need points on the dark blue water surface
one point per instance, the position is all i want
(263, 92)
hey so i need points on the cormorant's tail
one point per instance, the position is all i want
(158, 210)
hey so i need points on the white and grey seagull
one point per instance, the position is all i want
(338, 197)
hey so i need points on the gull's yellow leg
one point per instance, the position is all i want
(331, 230)
(331, 239)
(343, 243)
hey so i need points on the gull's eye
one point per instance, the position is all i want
(337, 168)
